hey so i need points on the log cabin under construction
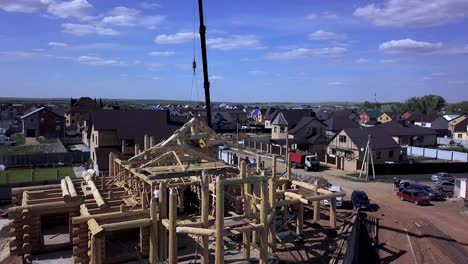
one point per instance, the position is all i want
(141, 208)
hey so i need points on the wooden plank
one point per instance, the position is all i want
(97, 196)
(71, 187)
(65, 192)
(126, 225)
(94, 227)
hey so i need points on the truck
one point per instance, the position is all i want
(308, 161)
(4, 140)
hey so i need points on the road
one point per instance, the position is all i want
(400, 238)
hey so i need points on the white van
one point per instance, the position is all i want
(339, 200)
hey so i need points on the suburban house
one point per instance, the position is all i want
(452, 123)
(287, 119)
(369, 116)
(223, 122)
(257, 115)
(79, 111)
(269, 115)
(460, 130)
(307, 135)
(337, 123)
(43, 122)
(387, 117)
(407, 134)
(123, 133)
(435, 122)
(346, 150)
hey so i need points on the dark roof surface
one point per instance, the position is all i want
(293, 116)
(379, 139)
(462, 126)
(338, 123)
(403, 128)
(343, 113)
(135, 124)
(84, 104)
(373, 113)
(102, 156)
(423, 118)
(303, 122)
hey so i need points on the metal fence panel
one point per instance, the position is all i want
(44, 159)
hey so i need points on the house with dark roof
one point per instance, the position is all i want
(346, 149)
(286, 119)
(336, 123)
(369, 116)
(79, 112)
(407, 134)
(257, 115)
(454, 122)
(435, 122)
(123, 133)
(460, 130)
(43, 122)
(270, 113)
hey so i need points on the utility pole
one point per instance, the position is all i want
(206, 81)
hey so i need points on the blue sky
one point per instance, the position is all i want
(258, 51)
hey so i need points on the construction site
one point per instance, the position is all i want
(174, 203)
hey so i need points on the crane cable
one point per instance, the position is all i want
(194, 63)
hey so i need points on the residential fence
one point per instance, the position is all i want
(447, 141)
(43, 159)
(71, 140)
(420, 168)
(5, 189)
(437, 154)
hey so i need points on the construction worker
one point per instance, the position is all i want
(156, 192)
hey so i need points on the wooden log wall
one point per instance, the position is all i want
(80, 243)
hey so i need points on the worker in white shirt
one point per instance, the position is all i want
(156, 192)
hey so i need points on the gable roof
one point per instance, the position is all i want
(135, 124)
(43, 108)
(403, 128)
(270, 113)
(293, 116)
(84, 104)
(392, 115)
(338, 123)
(303, 122)
(280, 120)
(342, 113)
(462, 126)
(379, 139)
(372, 113)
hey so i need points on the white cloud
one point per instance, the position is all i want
(88, 29)
(336, 83)
(155, 78)
(153, 66)
(216, 77)
(234, 42)
(258, 73)
(324, 15)
(389, 61)
(434, 75)
(409, 45)
(54, 44)
(150, 5)
(130, 17)
(22, 6)
(97, 61)
(76, 9)
(414, 13)
(325, 35)
(302, 53)
(17, 53)
(362, 60)
(162, 53)
(177, 38)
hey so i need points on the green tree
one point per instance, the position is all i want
(458, 108)
(428, 104)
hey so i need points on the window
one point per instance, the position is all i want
(334, 151)
(314, 131)
(31, 120)
(283, 129)
(423, 124)
(275, 129)
(342, 139)
(42, 120)
(378, 154)
(390, 154)
(58, 128)
(459, 136)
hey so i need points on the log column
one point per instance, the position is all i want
(205, 200)
(219, 254)
(333, 212)
(172, 226)
(154, 234)
(316, 218)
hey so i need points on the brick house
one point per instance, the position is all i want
(460, 130)
(79, 112)
(43, 122)
(369, 116)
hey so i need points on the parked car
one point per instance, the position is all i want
(443, 186)
(360, 200)
(339, 200)
(442, 176)
(430, 193)
(414, 196)
(7, 141)
(405, 184)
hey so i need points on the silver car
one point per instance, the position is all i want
(442, 176)
(443, 186)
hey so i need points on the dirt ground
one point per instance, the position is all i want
(402, 238)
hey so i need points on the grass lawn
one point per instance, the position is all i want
(24, 175)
